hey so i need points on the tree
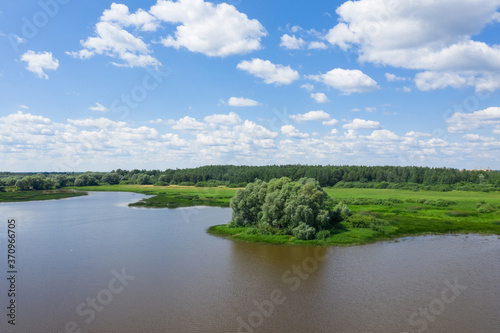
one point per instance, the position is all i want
(22, 184)
(298, 208)
(111, 178)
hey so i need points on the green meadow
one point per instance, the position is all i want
(408, 213)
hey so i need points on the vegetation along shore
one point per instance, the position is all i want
(368, 203)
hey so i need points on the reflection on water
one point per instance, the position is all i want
(93, 264)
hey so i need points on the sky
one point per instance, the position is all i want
(101, 85)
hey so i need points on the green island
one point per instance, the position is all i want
(338, 206)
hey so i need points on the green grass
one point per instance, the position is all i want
(172, 196)
(19, 196)
(405, 218)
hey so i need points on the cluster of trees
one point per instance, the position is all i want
(414, 178)
(282, 206)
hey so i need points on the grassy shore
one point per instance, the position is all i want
(411, 214)
(172, 196)
(12, 195)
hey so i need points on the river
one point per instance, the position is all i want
(92, 264)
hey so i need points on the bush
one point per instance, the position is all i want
(366, 220)
(361, 221)
(341, 212)
(304, 232)
(323, 234)
(486, 208)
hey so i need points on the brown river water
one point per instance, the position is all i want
(92, 264)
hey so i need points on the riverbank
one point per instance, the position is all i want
(408, 213)
(20, 196)
(172, 196)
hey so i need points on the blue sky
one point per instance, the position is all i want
(100, 85)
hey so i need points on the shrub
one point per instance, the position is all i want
(323, 234)
(360, 221)
(304, 232)
(486, 208)
(367, 221)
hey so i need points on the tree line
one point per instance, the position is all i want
(408, 177)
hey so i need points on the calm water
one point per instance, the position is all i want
(91, 264)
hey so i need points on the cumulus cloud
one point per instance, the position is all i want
(393, 77)
(441, 33)
(271, 73)
(311, 116)
(214, 30)
(112, 39)
(187, 124)
(347, 81)
(357, 124)
(85, 144)
(38, 63)
(487, 118)
(291, 42)
(99, 107)
(291, 132)
(225, 119)
(317, 46)
(320, 97)
(331, 122)
(307, 86)
(242, 102)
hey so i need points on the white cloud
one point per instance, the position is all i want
(441, 33)
(320, 97)
(242, 102)
(99, 123)
(291, 42)
(347, 81)
(23, 106)
(435, 80)
(331, 122)
(38, 63)
(188, 124)
(478, 138)
(229, 119)
(317, 46)
(383, 135)
(355, 110)
(370, 109)
(406, 89)
(119, 14)
(214, 30)
(307, 86)
(357, 124)
(413, 134)
(271, 73)
(311, 116)
(291, 132)
(392, 77)
(114, 41)
(87, 144)
(487, 118)
(99, 107)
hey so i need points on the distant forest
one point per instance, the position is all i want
(410, 178)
